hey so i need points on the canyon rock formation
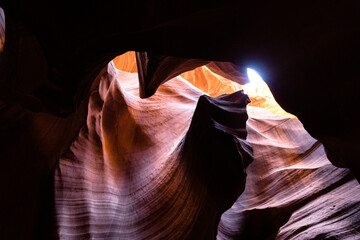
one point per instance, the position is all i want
(131, 175)
(62, 162)
(162, 167)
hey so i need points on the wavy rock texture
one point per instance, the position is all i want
(309, 51)
(170, 166)
(292, 190)
(163, 167)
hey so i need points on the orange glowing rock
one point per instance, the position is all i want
(126, 62)
(216, 84)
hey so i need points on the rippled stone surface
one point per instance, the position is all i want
(292, 190)
(163, 167)
(171, 165)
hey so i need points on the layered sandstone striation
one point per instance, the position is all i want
(163, 167)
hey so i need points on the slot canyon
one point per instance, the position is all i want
(149, 119)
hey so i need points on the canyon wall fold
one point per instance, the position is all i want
(183, 165)
(162, 167)
(292, 190)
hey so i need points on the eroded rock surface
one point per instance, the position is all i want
(292, 190)
(163, 167)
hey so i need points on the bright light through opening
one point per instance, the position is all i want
(256, 82)
(254, 77)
